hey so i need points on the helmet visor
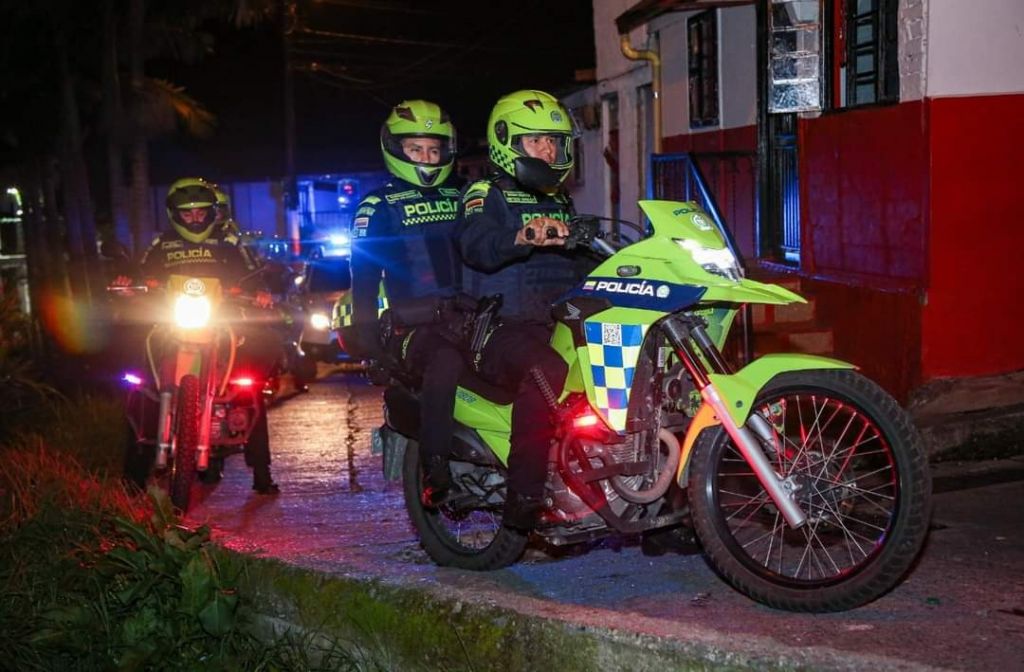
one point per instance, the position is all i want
(195, 219)
(555, 149)
(421, 150)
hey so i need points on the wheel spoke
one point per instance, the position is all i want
(846, 482)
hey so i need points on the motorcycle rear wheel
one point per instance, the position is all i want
(474, 540)
(189, 415)
(863, 481)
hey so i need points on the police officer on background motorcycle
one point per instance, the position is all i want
(196, 244)
(503, 237)
(402, 237)
(224, 218)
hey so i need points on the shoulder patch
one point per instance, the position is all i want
(476, 190)
(371, 200)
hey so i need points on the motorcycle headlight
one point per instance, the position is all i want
(320, 321)
(721, 262)
(191, 312)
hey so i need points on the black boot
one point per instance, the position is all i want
(522, 511)
(437, 481)
(263, 483)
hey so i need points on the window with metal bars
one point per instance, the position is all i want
(865, 69)
(702, 38)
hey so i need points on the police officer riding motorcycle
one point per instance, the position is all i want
(196, 247)
(403, 262)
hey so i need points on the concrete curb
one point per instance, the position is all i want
(996, 432)
(401, 627)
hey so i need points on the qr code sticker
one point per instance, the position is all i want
(611, 334)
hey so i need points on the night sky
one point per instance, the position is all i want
(353, 59)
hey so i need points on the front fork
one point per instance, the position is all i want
(186, 361)
(683, 335)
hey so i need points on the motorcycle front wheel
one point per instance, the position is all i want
(860, 474)
(467, 538)
(189, 415)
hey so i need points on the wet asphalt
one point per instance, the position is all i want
(962, 607)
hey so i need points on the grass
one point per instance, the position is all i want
(95, 578)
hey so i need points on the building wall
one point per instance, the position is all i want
(908, 211)
(587, 185)
(975, 48)
(971, 318)
(732, 178)
(622, 77)
(864, 179)
(975, 88)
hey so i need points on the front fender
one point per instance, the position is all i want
(738, 391)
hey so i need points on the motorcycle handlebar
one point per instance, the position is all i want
(231, 294)
(124, 289)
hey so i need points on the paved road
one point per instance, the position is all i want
(961, 608)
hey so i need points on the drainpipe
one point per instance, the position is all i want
(652, 57)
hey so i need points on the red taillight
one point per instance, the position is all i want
(588, 419)
(242, 382)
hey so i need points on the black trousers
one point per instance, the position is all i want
(440, 363)
(260, 354)
(512, 350)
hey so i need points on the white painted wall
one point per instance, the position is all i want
(618, 75)
(975, 47)
(589, 192)
(675, 105)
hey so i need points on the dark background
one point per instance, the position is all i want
(351, 61)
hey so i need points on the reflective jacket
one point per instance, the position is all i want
(401, 233)
(529, 278)
(220, 256)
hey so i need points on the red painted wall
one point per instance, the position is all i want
(913, 232)
(864, 195)
(976, 291)
(879, 331)
(732, 178)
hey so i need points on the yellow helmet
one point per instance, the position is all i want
(223, 204)
(525, 113)
(191, 194)
(418, 119)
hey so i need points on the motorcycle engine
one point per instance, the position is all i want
(600, 455)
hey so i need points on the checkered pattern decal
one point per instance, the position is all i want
(613, 350)
(416, 220)
(343, 311)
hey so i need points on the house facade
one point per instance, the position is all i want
(867, 149)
